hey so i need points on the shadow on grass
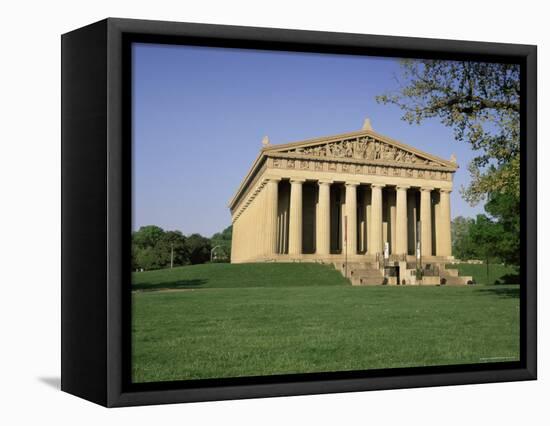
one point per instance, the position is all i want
(172, 285)
(508, 279)
(500, 292)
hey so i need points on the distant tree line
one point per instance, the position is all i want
(155, 248)
(491, 237)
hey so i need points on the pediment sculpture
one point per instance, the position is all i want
(362, 149)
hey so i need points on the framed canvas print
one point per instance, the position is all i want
(253, 212)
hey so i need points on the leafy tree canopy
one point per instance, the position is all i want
(145, 258)
(155, 248)
(147, 236)
(198, 248)
(493, 236)
(504, 208)
(480, 101)
(172, 243)
(222, 242)
(463, 246)
(225, 235)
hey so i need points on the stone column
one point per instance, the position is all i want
(426, 221)
(445, 222)
(437, 219)
(295, 219)
(391, 220)
(375, 239)
(323, 219)
(367, 213)
(271, 207)
(351, 213)
(361, 220)
(401, 226)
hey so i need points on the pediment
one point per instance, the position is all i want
(365, 147)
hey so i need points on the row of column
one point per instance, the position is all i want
(375, 244)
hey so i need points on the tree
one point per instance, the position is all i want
(198, 248)
(480, 101)
(172, 243)
(504, 208)
(144, 240)
(486, 235)
(223, 241)
(146, 258)
(463, 246)
(147, 236)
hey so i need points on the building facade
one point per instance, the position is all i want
(358, 196)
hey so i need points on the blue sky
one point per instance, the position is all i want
(199, 115)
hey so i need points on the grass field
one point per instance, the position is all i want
(224, 320)
(498, 274)
(225, 275)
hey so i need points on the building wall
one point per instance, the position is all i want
(248, 239)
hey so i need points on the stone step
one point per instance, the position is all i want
(367, 280)
(354, 266)
(358, 264)
(366, 273)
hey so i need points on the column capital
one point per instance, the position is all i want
(352, 183)
(297, 180)
(272, 179)
(402, 187)
(426, 188)
(325, 181)
(445, 190)
(377, 185)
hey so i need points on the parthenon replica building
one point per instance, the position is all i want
(360, 198)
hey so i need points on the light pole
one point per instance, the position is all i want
(171, 255)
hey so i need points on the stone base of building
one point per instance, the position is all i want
(333, 258)
(362, 269)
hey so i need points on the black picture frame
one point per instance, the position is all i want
(96, 211)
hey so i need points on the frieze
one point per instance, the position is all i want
(381, 170)
(292, 157)
(363, 148)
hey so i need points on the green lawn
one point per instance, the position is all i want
(498, 274)
(225, 275)
(245, 320)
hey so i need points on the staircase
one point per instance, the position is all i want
(371, 273)
(364, 273)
